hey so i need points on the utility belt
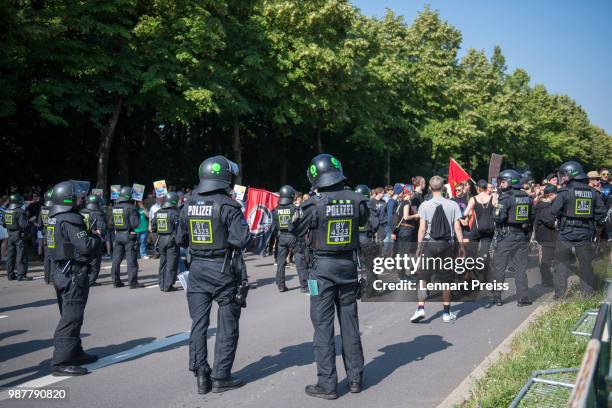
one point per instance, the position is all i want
(349, 255)
(576, 222)
(166, 233)
(369, 234)
(214, 254)
(511, 229)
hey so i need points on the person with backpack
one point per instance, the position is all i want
(483, 227)
(439, 229)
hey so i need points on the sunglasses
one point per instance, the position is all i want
(605, 174)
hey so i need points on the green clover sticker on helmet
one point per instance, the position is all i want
(335, 162)
(215, 168)
(313, 170)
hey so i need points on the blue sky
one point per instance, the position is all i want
(565, 45)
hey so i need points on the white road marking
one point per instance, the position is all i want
(105, 361)
(2, 317)
(38, 277)
(155, 285)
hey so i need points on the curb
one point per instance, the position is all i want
(462, 391)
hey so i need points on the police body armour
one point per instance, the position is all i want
(284, 214)
(580, 203)
(50, 234)
(44, 216)
(86, 218)
(338, 222)
(163, 222)
(63, 250)
(206, 229)
(120, 218)
(520, 208)
(11, 220)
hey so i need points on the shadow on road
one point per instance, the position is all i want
(16, 350)
(11, 333)
(38, 303)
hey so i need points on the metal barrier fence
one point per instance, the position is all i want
(591, 387)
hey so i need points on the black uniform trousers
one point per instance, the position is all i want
(338, 285)
(512, 250)
(207, 282)
(95, 264)
(169, 253)
(302, 268)
(16, 256)
(584, 253)
(125, 246)
(546, 259)
(286, 242)
(48, 264)
(72, 290)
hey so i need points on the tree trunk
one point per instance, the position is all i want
(237, 148)
(387, 167)
(106, 140)
(319, 140)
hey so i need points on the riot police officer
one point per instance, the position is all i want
(332, 217)
(95, 220)
(287, 241)
(125, 220)
(578, 207)
(165, 225)
(44, 222)
(367, 232)
(73, 249)
(212, 225)
(513, 218)
(16, 223)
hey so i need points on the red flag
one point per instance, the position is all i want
(260, 204)
(456, 175)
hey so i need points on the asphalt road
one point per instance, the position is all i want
(141, 337)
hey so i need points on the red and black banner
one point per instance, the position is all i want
(259, 206)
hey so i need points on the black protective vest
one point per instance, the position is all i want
(165, 222)
(207, 231)
(338, 221)
(11, 219)
(519, 210)
(44, 216)
(63, 250)
(121, 218)
(284, 213)
(50, 235)
(86, 213)
(580, 203)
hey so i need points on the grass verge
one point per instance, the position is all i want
(547, 343)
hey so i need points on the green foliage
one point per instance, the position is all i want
(294, 76)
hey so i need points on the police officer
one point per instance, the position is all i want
(73, 249)
(513, 218)
(578, 207)
(212, 225)
(125, 220)
(16, 223)
(332, 217)
(367, 232)
(95, 220)
(165, 225)
(44, 222)
(287, 241)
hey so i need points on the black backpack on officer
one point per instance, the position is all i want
(440, 229)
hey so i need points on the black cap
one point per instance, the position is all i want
(550, 188)
(125, 194)
(216, 173)
(63, 198)
(287, 195)
(171, 200)
(324, 171)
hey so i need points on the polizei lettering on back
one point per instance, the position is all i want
(199, 210)
(583, 193)
(340, 209)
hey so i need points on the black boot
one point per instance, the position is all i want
(118, 284)
(282, 288)
(524, 302)
(136, 285)
(226, 384)
(68, 371)
(86, 358)
(318, 392)
(204, 382)
(355, 386)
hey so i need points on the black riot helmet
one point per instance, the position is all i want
(512, 177)
(287, 195)
(15, 201)
(324, 171)
(125, 194)
(572, 170)
(216, 173)
(63, 198)
(171, 200)
(47, 198)
(363, 190)
(93, 202)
